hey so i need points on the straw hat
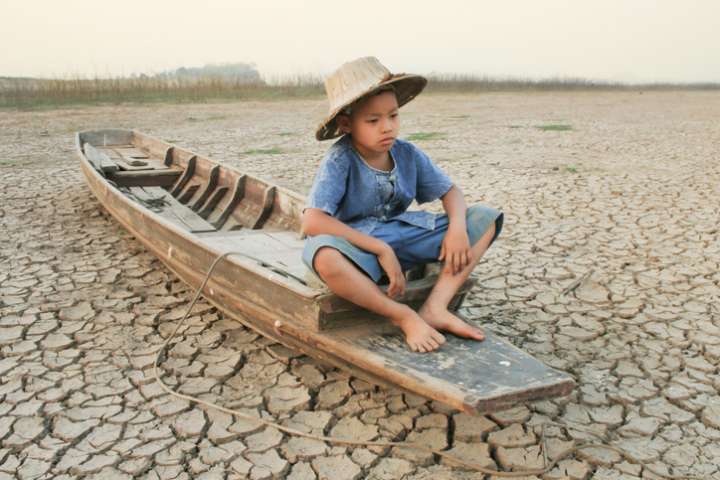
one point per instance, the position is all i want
(355, 79)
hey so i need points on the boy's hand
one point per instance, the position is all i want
(389, 262)
(455, 249)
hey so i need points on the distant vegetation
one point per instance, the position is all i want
(461, 83)
(242, 81)
(238, 81)
(235, 72)
(554, 127)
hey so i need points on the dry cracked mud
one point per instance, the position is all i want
(607, 269)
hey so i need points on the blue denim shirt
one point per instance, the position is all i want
(349, 189)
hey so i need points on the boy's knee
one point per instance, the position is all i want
(475, 215)
(490, 230)
(483, 221)
(326, 261)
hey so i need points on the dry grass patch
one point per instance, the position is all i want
(554, 127)
(263, 151)
(424, 136)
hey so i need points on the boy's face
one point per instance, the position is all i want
(374, 124)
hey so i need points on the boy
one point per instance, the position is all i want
(356, 216)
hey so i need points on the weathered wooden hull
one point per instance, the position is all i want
(471, 376)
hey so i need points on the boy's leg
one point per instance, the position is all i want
(435, 311)
(347, 281)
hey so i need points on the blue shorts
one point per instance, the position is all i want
(413, 245)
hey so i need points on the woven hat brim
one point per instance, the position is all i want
(407, 87)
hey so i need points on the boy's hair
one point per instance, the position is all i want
(349, 109)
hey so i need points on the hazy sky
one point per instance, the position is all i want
(617, 40)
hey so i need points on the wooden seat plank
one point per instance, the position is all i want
(288, 238)
(252, 242)
(263, 247)
(132, 152)
(130, 158)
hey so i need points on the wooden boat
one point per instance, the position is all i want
(188, 210)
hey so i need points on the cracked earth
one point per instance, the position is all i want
(607, 269)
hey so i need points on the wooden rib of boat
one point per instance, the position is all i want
(188, 210)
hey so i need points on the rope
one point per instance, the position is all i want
(345, 441)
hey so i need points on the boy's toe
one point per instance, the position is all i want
(438, 337)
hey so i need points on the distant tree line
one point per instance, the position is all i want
(235, 72)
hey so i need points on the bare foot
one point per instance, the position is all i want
(442, 319)
(419, 336)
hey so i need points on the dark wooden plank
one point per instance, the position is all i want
(186, 176)
(171, 209)
(100, 160)
(493, 373)
(189, 192)
(168, 156)
(268, 201)
(213, 202)
(209, 187)
(237, 195)
(145, 178)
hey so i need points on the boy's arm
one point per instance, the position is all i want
(455, 249)
(433, 183)
(454, 204)
(316, 222)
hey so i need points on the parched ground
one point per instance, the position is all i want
(607, 268)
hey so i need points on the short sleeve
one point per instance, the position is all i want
(432, 182)
(329, 186)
